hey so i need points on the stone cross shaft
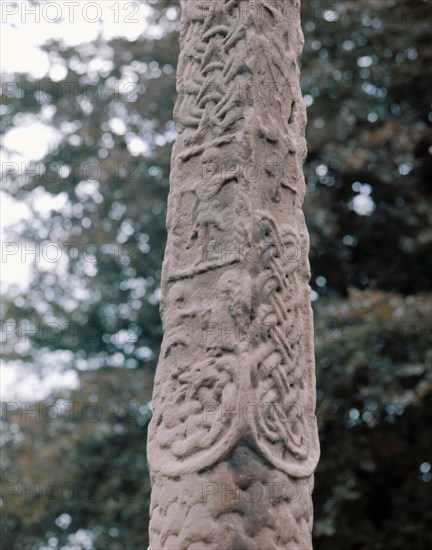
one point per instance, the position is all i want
(233, 440)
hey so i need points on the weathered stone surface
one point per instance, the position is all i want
(233, 441)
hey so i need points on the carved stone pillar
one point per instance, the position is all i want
(233, 440)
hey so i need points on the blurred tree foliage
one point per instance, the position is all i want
(74, 470)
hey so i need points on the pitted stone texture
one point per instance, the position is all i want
(234, 396)
(242, 503)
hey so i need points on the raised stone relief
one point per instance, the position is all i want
(234, 395)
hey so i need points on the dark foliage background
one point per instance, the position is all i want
(366, 80)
